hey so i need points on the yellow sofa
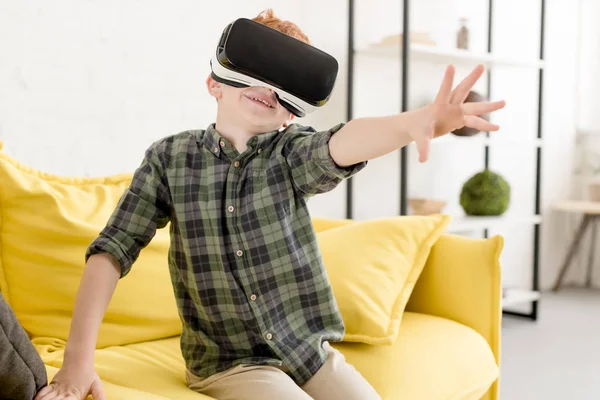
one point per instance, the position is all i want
(422, 307)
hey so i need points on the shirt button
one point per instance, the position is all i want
(236, 164)
(216, 149)
(259, 151)
(253, 297)
(269, 336)
(239, 253)
(230, 208)
(222, 143)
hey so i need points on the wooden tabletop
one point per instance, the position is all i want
(585, 207)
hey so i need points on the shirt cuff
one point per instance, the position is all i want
(109, 243)
(322, 156)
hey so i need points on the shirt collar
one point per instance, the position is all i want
(213, 140)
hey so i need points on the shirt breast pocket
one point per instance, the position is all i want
(270, 198)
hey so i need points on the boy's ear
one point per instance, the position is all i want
(214, 87)
(286, 123)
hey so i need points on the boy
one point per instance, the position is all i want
(258, 313)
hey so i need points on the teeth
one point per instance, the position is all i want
(262, 101)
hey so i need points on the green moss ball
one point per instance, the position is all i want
(485, 194)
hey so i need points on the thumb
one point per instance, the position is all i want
(423, 148)
(424, 142)
(97, 391)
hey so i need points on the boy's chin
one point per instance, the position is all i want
(264, 124)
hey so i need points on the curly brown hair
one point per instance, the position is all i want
(268, 18)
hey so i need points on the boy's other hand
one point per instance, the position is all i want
(73, 384)
(449, 112)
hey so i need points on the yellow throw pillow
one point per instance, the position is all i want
(46, 225)
(324, 224)
(373, 267)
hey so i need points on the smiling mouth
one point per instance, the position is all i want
(261, 101)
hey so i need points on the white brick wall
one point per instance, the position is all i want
(85, 86)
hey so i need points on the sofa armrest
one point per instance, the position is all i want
(461, 281)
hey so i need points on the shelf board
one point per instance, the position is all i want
(481, 139)
(499, 141)
(585, 132)
(468, 223)
(420, 52)
(519, 296)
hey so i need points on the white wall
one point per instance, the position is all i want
(80, 81)
(586, 118)
(84, 81)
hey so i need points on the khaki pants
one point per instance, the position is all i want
(336, 380)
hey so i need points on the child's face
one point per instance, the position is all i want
(254, 108)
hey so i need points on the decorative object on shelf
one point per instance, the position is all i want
(414, 38)
(485, 194)
(426, 206)
(473, 96)
(462, 36)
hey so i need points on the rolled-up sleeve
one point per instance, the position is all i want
(313, 170)
(143, 208)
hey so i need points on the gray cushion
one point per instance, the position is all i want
(22, 372)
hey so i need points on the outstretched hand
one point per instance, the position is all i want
(449, 112)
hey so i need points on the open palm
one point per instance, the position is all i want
(449, 111)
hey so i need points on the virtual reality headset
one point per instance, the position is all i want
(252, 54)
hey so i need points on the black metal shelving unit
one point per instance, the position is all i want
(404, 96)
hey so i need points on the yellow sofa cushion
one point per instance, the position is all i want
(46, 224)
(155, 367)
(462, 281)
(324, 224)
(115, 392)
(433, 358)
(373, 267)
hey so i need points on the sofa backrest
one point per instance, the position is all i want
(46, 224)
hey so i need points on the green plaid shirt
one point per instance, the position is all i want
(245, 264)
